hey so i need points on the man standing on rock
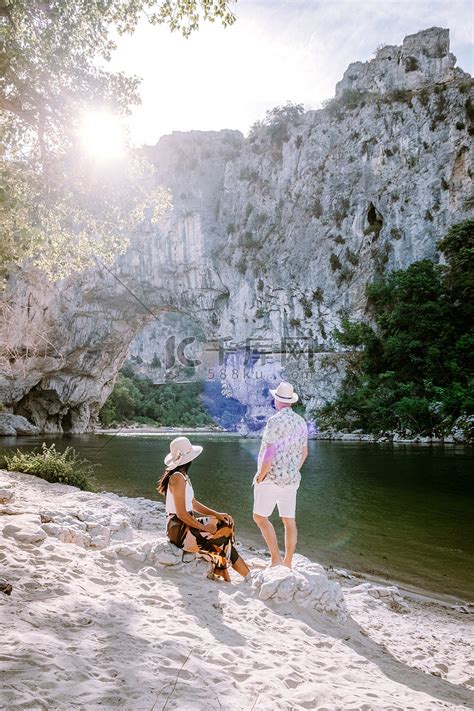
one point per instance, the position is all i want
(282, 453)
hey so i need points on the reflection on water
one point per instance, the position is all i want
(402, 512)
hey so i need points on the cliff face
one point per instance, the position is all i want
(270, 237)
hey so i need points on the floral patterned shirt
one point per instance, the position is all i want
(288, 433)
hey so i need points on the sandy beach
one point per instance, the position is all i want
(105, 614)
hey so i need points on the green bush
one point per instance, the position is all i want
(277, 124)
(352, 257)
(318, 294)
(335, 262)
(317, 209)
(349, 100)
(248, 241)
(135, 399)
(53, 466)
(242, 265)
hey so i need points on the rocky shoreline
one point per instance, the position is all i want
(461, 433)
(328, 435)
(16, 426)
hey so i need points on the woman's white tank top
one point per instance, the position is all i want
(189, 496)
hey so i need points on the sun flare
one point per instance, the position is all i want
(102, 135)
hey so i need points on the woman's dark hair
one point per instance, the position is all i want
(162, 486)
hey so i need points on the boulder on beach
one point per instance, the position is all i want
(25, 529)
(307, 584)
(7, 494)
(388, 594)
(12, 425)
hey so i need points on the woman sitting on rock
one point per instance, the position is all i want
(211, 535)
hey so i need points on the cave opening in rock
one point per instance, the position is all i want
(175, 350)
(66, 422)
(375, 220)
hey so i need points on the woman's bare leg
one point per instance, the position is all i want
(222, 573)
(241, 567)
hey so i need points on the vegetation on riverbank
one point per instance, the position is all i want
(139, 400)
(62, 467)
(413, 370)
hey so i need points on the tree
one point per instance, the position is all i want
(138, 399)
(413, 367)
(458, 249)
(58, 207)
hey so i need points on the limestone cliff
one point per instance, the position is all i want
(270, 238)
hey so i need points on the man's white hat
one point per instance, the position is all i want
(181, 452)
(285, 393)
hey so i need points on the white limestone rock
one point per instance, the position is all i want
(12, 425)
(99, 535)
(138, 551)
(7, 494)
(26, 529)
(423, 58)
(90, 525)
(463, 429)
(68, 534)
(310, 588)
(388, 594)
(165, 553)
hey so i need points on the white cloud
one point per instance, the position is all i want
(278, 50)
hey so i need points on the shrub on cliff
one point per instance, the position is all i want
(277, 124)
(53, 466)
(413, 368)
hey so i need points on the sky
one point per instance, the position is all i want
(277, 51)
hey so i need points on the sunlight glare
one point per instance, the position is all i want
(102, 135)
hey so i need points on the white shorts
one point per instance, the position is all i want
(266, 495)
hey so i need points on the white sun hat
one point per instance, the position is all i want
(285, 393)
(181, 452)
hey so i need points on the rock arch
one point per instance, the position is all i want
(89, 321)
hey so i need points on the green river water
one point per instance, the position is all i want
(402, 512)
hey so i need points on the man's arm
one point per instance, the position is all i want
(304, 455)
(267, 460)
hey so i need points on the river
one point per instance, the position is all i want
(397, 512)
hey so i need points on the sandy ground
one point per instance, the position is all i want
(105, 615)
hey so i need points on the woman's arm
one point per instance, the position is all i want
(200, 508)
(178, 489)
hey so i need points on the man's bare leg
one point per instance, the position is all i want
(291, 536)
(268, 533)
